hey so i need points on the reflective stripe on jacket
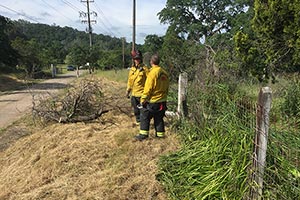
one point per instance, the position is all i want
(136, 79)
(156, 86)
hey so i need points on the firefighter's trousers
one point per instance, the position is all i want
(157, 112)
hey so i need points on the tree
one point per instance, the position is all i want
(277, 26)
(111, 60)
(250, 53)
(201, 19)
(153, 43)
(30, 55)
(173, 53)
(206, 22)
(8, 56)
(78, 55)
(272, 45)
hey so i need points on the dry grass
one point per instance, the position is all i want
(98, 160)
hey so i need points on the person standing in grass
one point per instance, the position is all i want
(136, 81)
(153, 101)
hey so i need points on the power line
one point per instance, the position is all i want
(108, 30)
(57, 10)
(24, 15)
(81, 13)
(100, 28)
(108, 22)
(71, 5)
(103, 28)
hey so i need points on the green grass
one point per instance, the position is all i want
(115, 75)
(216, 159)
(213, 163)
(212, 168)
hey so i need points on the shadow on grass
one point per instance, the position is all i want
(9, 84)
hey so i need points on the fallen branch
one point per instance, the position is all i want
(82, 118)
(82, 102)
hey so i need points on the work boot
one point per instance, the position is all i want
(159, 137)
(141, 137)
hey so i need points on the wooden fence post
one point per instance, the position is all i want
(261, 141)
(182, 97)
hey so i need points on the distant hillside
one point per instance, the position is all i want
(32, 44)
(47, 34)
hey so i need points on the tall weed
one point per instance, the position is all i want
(213, 168)
(216, 157)
(213, 163)
(282, 175)
(291, 104)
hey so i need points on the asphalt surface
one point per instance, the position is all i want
(15, 104)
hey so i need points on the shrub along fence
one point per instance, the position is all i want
(217, 163)
(274, 173)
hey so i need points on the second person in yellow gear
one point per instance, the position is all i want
(136, 81)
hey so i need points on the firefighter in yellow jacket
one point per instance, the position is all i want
(153, 101)
(136, 81)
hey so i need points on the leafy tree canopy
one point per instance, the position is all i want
(153, 43)
(277, 25)
(7, 54)
(272, 43)
(39, 45)
(196, 19)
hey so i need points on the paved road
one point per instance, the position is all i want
(15, 104)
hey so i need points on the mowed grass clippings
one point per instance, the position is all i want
(97, 160)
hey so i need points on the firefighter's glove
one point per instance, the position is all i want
(143, 103)
(139, 106)
(128, 94)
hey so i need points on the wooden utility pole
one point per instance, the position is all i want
(89, 21)
(123, 51)
(133, 26)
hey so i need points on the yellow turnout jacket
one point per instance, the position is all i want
(156, 86)
(136, 79)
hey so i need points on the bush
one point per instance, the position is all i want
(291, 104)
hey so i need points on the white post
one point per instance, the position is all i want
(261, 139)
(53, 70)
(182, 90)
(77, 71)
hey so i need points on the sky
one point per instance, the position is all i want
(113, 17)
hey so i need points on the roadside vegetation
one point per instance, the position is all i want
(98, 159)
(215, 161)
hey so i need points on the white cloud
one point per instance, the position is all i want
(114, 16)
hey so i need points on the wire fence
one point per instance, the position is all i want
(274, 173)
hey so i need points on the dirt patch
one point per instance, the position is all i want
(97, 160)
